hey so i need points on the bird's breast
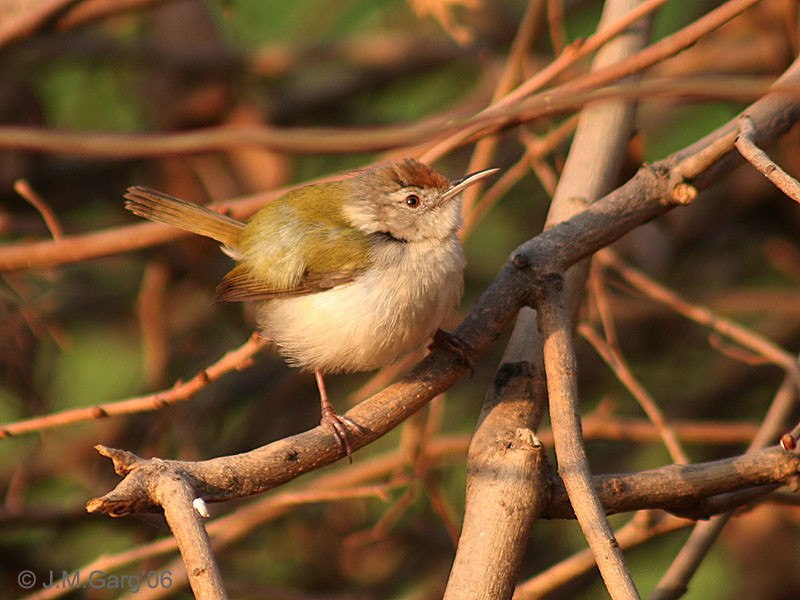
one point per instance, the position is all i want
(390, 309)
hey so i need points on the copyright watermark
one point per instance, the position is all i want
(78, 580)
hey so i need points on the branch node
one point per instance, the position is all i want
(98, 412)
(684, 194)
(525, 438)
(746, 126)
(124, 461)
(521, 261)
(617, 485)
(552, 282)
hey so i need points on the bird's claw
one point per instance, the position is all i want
(338, 425)
(456, 345)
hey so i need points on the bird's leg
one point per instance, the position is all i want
(337, 423)
(456, 345)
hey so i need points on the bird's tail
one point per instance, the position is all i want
(163, 208)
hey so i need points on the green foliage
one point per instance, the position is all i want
(714, 581)
(685, 124)
(77, 95)
(414, 98)
(98, 366)
(251, 23)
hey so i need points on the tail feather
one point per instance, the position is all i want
(163, 208)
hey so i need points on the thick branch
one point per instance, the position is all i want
(693, 491)
(507, 475)
(507, 480)
(684, 490)
(487, 570)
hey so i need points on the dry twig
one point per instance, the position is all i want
(746, 145)
(24, 189)
(181, 391)
(616, 362)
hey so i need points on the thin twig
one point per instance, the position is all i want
(600, 427)
(507, 179)
(30, 20)
(555, 22)
(705, 316)
(181, 391)
(746, 145)
(485, 147)
(643, 527)
(601, 301)
(673, 583)
(616, 362)
(24, 189)
(78, 248)
(547, 176)
(573, 465)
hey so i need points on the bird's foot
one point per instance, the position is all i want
(456, 345)
(338, 425)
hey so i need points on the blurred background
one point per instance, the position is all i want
(124, 325)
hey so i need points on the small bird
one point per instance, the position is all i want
(348, 275)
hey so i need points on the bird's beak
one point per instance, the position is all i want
(459, 185)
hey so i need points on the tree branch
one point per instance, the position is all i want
(173, 492)
(573, 465)
(181, 391)
(602, 133)
(761, 161)
(507, 474)
(684, 490)
(673, 583)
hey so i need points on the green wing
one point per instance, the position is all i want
(296, 245)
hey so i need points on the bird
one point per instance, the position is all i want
(347, 275)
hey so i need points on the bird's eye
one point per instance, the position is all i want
(412, 200)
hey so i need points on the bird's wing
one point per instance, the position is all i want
(239, 285)
(294, 247)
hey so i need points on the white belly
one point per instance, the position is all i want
(386, 312)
